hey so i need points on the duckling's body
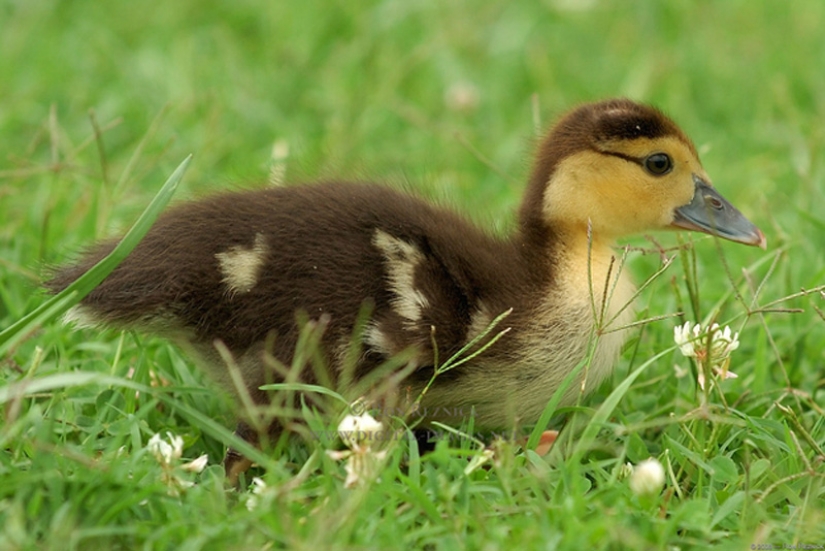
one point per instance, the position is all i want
(237, 267)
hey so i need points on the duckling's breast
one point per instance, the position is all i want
(573, 325)
(582, 336)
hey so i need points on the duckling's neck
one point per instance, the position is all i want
(585, 267)
(586, 305)
(590, 267)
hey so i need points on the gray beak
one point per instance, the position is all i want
(711, 213)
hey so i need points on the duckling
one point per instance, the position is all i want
(236, 267)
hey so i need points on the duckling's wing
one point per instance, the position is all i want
(239, 266)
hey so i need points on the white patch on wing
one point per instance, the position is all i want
(377, 340)
(401, 259)
(240, 266)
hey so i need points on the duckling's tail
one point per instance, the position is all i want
(84, 314)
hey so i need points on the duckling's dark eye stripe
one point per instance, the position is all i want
(637, 160)
(657, 164)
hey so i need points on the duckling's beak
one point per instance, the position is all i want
(711, 213)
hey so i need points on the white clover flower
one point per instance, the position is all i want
(359, 431)
(168, 452)
(710, 346)
(686, 341)
(259, 486)
(259, 489)
(362, 467)
(722, 344)
(648, 478)
(165, 452)
(160, 449)
(196, 465)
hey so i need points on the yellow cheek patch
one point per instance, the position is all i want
(617, 196)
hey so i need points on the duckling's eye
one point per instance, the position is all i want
(658, 164)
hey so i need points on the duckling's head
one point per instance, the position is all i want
(622, 168)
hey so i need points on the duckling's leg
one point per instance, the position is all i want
(426, 439)
(545, 444)
(234, 462)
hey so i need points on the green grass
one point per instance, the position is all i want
(100, 103)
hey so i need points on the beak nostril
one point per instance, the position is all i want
(709, 212)
(714, 202)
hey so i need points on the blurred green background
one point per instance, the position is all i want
(363, 89)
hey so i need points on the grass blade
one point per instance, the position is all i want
(75, 292)
(600, 417)
(553, 404)
(303, 387)
(48, 383)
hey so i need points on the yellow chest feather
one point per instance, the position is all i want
(578, 322)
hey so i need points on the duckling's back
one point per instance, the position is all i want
(237, 267)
